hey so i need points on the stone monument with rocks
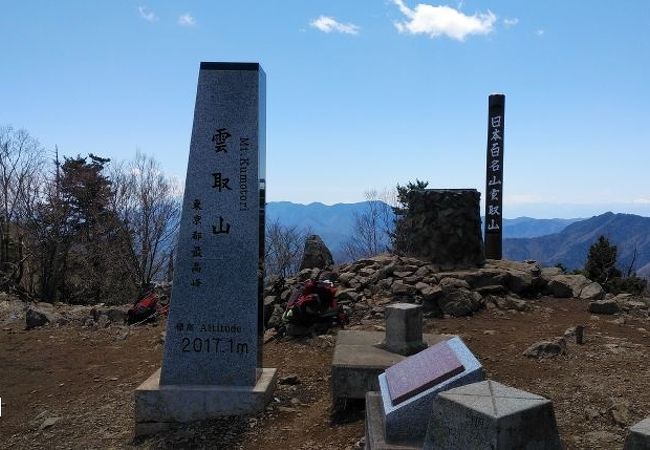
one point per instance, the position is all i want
(213, 350)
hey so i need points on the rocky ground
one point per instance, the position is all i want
(69, 384)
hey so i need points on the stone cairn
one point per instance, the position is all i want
(444, 227)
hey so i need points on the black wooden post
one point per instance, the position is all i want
(494, 177)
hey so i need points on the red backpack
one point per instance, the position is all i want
(146, 308)
(316, 303)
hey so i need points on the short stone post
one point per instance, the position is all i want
(404, 328)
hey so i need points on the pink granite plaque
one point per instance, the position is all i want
(421, 371)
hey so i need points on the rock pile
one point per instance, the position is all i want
(367, 285)
(40, 314)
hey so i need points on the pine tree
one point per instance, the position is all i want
(401, 236)
(601, 262)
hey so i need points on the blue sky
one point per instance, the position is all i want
(361, 94)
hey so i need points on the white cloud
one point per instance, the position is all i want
(328, 24)
(147, 14)
(436, 21)
(539, 32)
(510, 22)
(186, 20)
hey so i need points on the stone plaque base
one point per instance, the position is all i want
(375, 438)
(157, 407)
(409, 419)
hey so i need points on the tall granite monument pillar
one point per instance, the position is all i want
(212, 359)
(494, 177)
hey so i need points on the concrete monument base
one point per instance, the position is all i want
(157, 407)
(375, 426)
(360, 357)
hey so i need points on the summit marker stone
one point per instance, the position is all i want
(213, 349)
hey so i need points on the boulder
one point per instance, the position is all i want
(492, 289)
(549, 272)
(347, 295)
(345, 277)
(316, 254)
(401, 274)
(430, 295)
(510, 303)
(565, 286)
(400, 288)
(48, 423)
(412, 280)
(275, 320)
(430, 292)
(519, 282)
(449, 283)
(619, 410)
(103, 321)
(36, 318)
(604, 307)
(592, 291)
(117, 316)
(269, 304)
(291, 379)
(547, 349)
(459, 302)
(634, 307)
(424, 271)
(488, 277)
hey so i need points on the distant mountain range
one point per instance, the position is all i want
(549, 241)
(570, 246)
(334, 224)
(527, 227)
